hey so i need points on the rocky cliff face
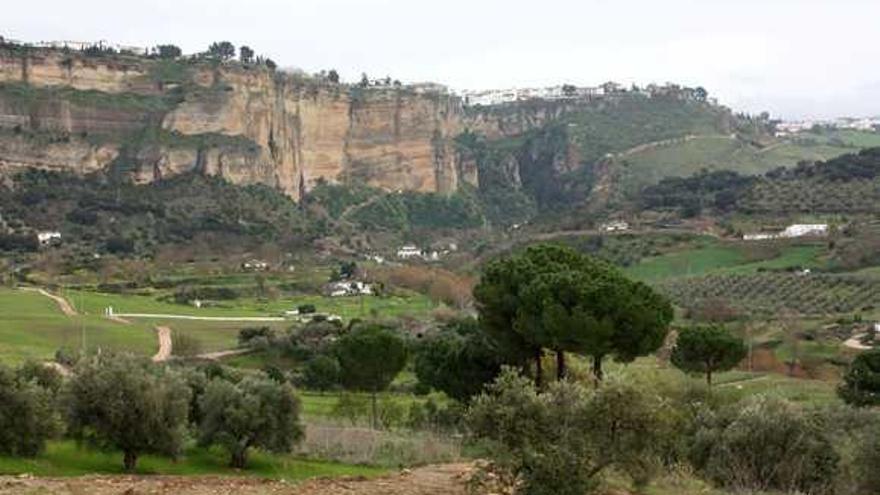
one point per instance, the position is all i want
(247, 125)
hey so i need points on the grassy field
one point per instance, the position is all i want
(346, 307)
(717, 257)
(65, 458)
(32, 327)
(715, 152)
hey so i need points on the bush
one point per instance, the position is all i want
(861, 383)
(254, 336)
(351, 407)
(27, 414)
(766, 444)
(562, 440)
(321, 373)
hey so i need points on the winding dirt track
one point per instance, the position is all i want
(445, 479)
(63, 304)
(164, 352)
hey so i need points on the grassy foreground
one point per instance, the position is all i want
(65, 458)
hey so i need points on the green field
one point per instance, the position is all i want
(67, 459)
(32, 327)
(346, 307)
(717, 257)
(715, 152)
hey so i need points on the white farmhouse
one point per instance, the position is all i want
(48, 238)
(409, 251)
(614, 226)
(255, 265)
(801, 230)
(343, 289)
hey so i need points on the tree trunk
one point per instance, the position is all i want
(539, 370)
(238, 460)
(375, 411)
(709, 378)
(597, 370)
(560, 365)
(129, 461)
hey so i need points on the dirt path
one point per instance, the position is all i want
(443, 479)
(855, 342)
(63, 304)
(200, 318)
(164, 352)
(214, 356)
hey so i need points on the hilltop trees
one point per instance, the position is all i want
(707, 350)
(555, 298)
(245, 54)
(861, 383)
(168, 51)
(370, 357)
(222, 50)
(124, 403)
(256, 412)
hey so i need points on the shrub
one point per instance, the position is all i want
(27, 414)
(351, 407)
(562, 440)
(766, 444)
(321, 373)
(861, 383)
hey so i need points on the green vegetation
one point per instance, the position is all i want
(707, 350)
(861, 383)
(32, 327)
(65, 458)
(770, 293)
(720, 258)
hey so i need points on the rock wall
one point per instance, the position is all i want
(302, 131)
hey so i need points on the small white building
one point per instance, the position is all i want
(345, 289)
(255, 265)
(614, 226)
(409, 251)
(801, 230)
(48, 238)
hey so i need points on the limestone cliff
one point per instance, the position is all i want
(249, 125)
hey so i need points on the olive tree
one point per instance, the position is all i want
(28, 417)
(255, 412)
(707, 350)
(861, 382)
(126, 403)
(561, 441)
(370, 357)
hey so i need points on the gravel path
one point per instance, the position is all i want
(445, 479)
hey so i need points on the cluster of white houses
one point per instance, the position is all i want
(571, 92)
(790, 232)
(793, 127)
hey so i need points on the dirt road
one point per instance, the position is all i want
(443, 479)
(63, 304)
(164, 352)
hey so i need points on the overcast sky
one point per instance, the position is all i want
(793, 58)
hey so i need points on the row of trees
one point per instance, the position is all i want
(122, 403)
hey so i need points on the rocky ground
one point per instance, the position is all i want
(446, 479)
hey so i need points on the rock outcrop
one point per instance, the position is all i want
(249, 125)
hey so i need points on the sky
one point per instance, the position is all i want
(792, 58)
